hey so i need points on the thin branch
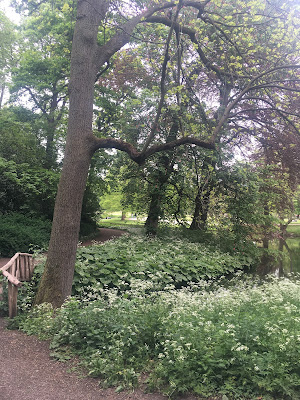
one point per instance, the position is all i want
(247, 89)
(122, 36)
(162, 88)
(192, 35)
(39, 106)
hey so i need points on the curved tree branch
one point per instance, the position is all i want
(140, 157)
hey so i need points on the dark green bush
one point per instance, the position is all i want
(19, 233)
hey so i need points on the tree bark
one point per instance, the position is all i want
(57, 279)
(2, 89)
(201, 209)
(205, 187)
(165, 164)
(154, 213)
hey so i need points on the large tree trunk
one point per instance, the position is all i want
(86, 60)
(58, 276)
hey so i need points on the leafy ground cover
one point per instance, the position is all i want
(178, 315)
(241, 341)
(168, 261)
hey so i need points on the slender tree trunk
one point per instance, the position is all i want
(205, 187)
(166, 162)
(50, 159)
(201, 210)
(154, 212)
(2, 90)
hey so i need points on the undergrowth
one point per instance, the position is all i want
(240, 341)
(165, 262)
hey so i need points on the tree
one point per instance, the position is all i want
(42, 70)
(7, 40)
(236, 79)
(18, 136)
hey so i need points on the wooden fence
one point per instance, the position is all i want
(18, 269)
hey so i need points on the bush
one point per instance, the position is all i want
(119, 263)
(19, 233)
(241, 341)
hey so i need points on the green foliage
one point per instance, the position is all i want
(39, 321)
(19, 139)
(20, 233)
(111, 202)
(27, 189)
(242, 340)
(239, 341)
(126, 260)
(7, 40)
(43, 69)
(32, 190)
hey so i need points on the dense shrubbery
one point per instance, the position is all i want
(20, 233)
(164, 261)
(123, 263)
(27, 200)
(27, 189)
(242, 341)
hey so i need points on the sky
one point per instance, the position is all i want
(9, 11)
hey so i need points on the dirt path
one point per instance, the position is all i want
(104, 235)
(27, 372)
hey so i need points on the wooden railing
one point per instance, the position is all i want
(18, 269)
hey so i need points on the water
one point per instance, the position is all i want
(291, 255)
(285, 258)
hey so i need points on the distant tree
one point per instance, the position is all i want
(43, 68)
(8, 38)
(19, 140)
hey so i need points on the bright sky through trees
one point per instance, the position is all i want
(9, 11)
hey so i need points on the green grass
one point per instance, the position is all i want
(117, 221)
(132, 226)
(294, 229)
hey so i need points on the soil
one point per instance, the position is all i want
(27, 371)
(103, 235)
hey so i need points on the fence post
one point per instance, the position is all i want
(12, 299)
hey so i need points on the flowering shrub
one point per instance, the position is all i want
(240, 341)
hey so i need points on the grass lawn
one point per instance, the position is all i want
(294, 228)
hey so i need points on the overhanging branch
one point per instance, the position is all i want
(139, 157)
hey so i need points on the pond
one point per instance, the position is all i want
(286, 255)
(291, 255)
